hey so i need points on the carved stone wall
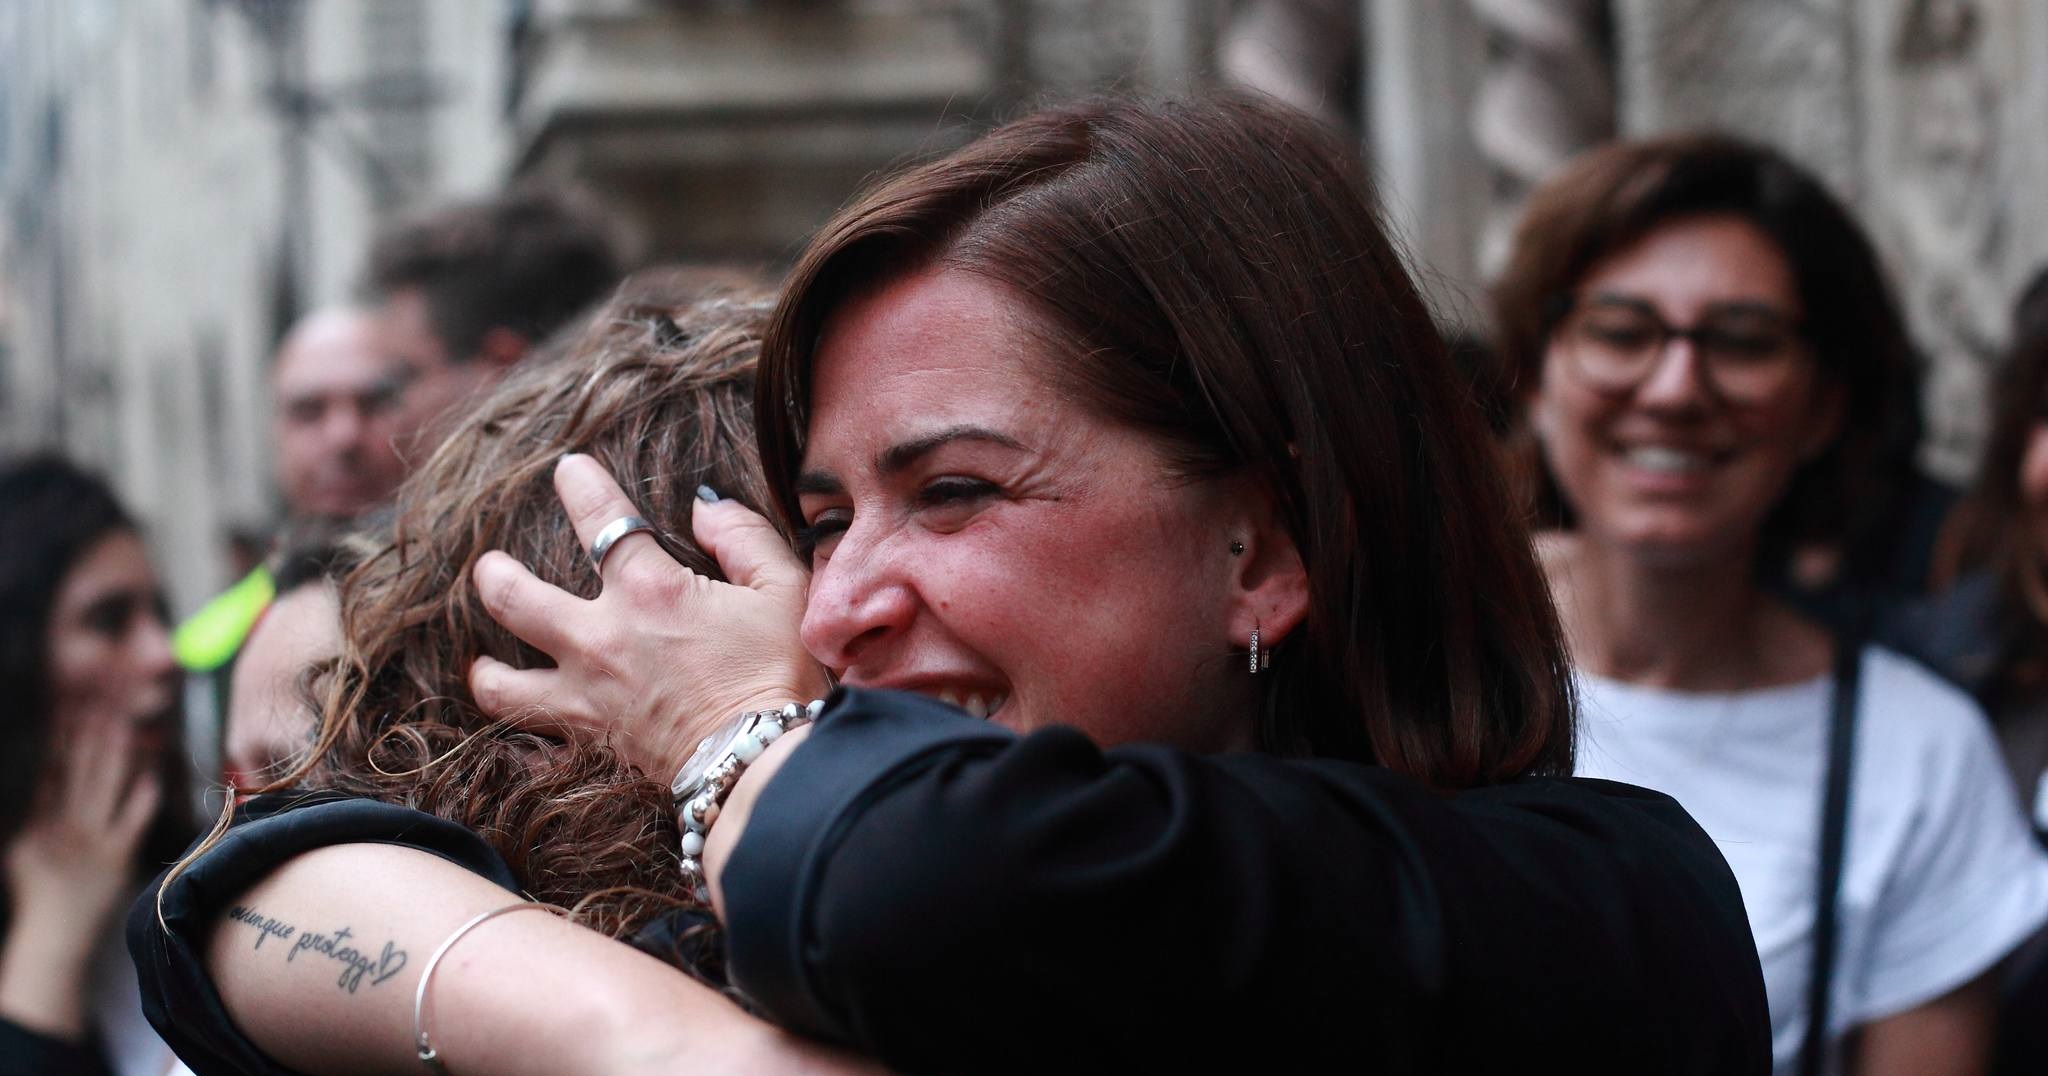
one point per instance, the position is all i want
(1546, 92)
(1956, 190)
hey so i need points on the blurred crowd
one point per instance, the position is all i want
(1703, 393)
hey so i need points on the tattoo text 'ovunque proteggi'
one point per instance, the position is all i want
(338, 945)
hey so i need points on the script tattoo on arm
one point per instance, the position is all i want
(358, 965)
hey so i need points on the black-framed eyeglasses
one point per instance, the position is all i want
(1747, 351)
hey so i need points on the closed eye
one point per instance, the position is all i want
(820, 534)
(953, 489)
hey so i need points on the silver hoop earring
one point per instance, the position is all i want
(1255, 652)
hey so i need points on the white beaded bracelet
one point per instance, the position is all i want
(701, 786)
(429, 1056)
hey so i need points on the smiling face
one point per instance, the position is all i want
(110, 656)
(980, 536)
(1678, 468)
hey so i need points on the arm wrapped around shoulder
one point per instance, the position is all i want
(945, 895)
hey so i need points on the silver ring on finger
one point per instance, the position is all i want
(610, 535)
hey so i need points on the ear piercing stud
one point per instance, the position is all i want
(1236, 548)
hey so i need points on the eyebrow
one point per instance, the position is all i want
(901, 456)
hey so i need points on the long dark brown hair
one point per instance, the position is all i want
(1608, 198)
(53, 513)
(1993, 529)
(659, 390)
(1215, 276)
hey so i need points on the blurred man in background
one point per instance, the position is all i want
(337, 415)
(454, 298)
(465, 292)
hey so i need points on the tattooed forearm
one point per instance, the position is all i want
(357, 965)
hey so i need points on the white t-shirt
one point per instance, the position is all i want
(1941, 877)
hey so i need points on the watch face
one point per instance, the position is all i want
(709, 751)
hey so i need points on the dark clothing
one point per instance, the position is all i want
(945, 895)
(1957, 633)
(28, 1053)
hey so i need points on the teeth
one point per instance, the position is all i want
(973, 702)
(1666, 460)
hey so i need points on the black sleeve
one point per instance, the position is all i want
(178, 994)
(30, 1053)
(945, 895)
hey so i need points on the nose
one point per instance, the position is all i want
(860, 602)
(344, 427)
(1677, 377)
(152, 648)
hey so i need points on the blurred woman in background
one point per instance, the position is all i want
(1714, 376)
(92, 772)
(1988, 628)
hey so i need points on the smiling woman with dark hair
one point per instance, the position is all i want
(1199, 698)
(1715, 381)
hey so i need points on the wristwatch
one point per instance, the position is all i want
(701, 786)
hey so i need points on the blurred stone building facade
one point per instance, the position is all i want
(178, 178)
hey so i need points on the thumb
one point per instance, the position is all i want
(746, 546)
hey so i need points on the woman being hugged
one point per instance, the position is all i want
(1200, 700)
(92, 774)
(658, 385)
(1714, 368)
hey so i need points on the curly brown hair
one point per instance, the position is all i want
(658, 389)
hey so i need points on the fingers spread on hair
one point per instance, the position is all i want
(747, 547)
(593, 500)
(538, 612)
(525, 697)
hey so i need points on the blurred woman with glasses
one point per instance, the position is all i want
(1716, 386)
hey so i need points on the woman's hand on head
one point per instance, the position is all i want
(662, 654)
(69, 868)
(74, 860)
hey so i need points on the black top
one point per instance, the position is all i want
(31, 1053)
(944, 895)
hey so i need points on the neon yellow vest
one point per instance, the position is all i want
(210, 638)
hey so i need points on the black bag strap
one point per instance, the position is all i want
(1834, 843)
